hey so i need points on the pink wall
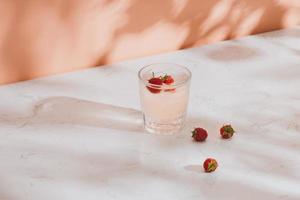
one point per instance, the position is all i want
(41, 37)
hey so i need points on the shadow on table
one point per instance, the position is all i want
(67, 110)
(233, 52)
(281, 37)
(106, 166)
(6, 192)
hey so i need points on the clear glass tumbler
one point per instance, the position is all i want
(164, 103)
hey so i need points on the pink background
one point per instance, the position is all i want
(42, 37)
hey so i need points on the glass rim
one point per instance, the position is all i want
(165, 86)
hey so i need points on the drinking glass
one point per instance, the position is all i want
(164, 106)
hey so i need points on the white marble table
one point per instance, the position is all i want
(79, 135)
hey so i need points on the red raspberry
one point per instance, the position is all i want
(199, 134)
(155, 85)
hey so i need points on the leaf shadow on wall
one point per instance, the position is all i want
(203, 23)
(141, 28)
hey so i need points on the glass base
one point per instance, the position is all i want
(169, 127)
